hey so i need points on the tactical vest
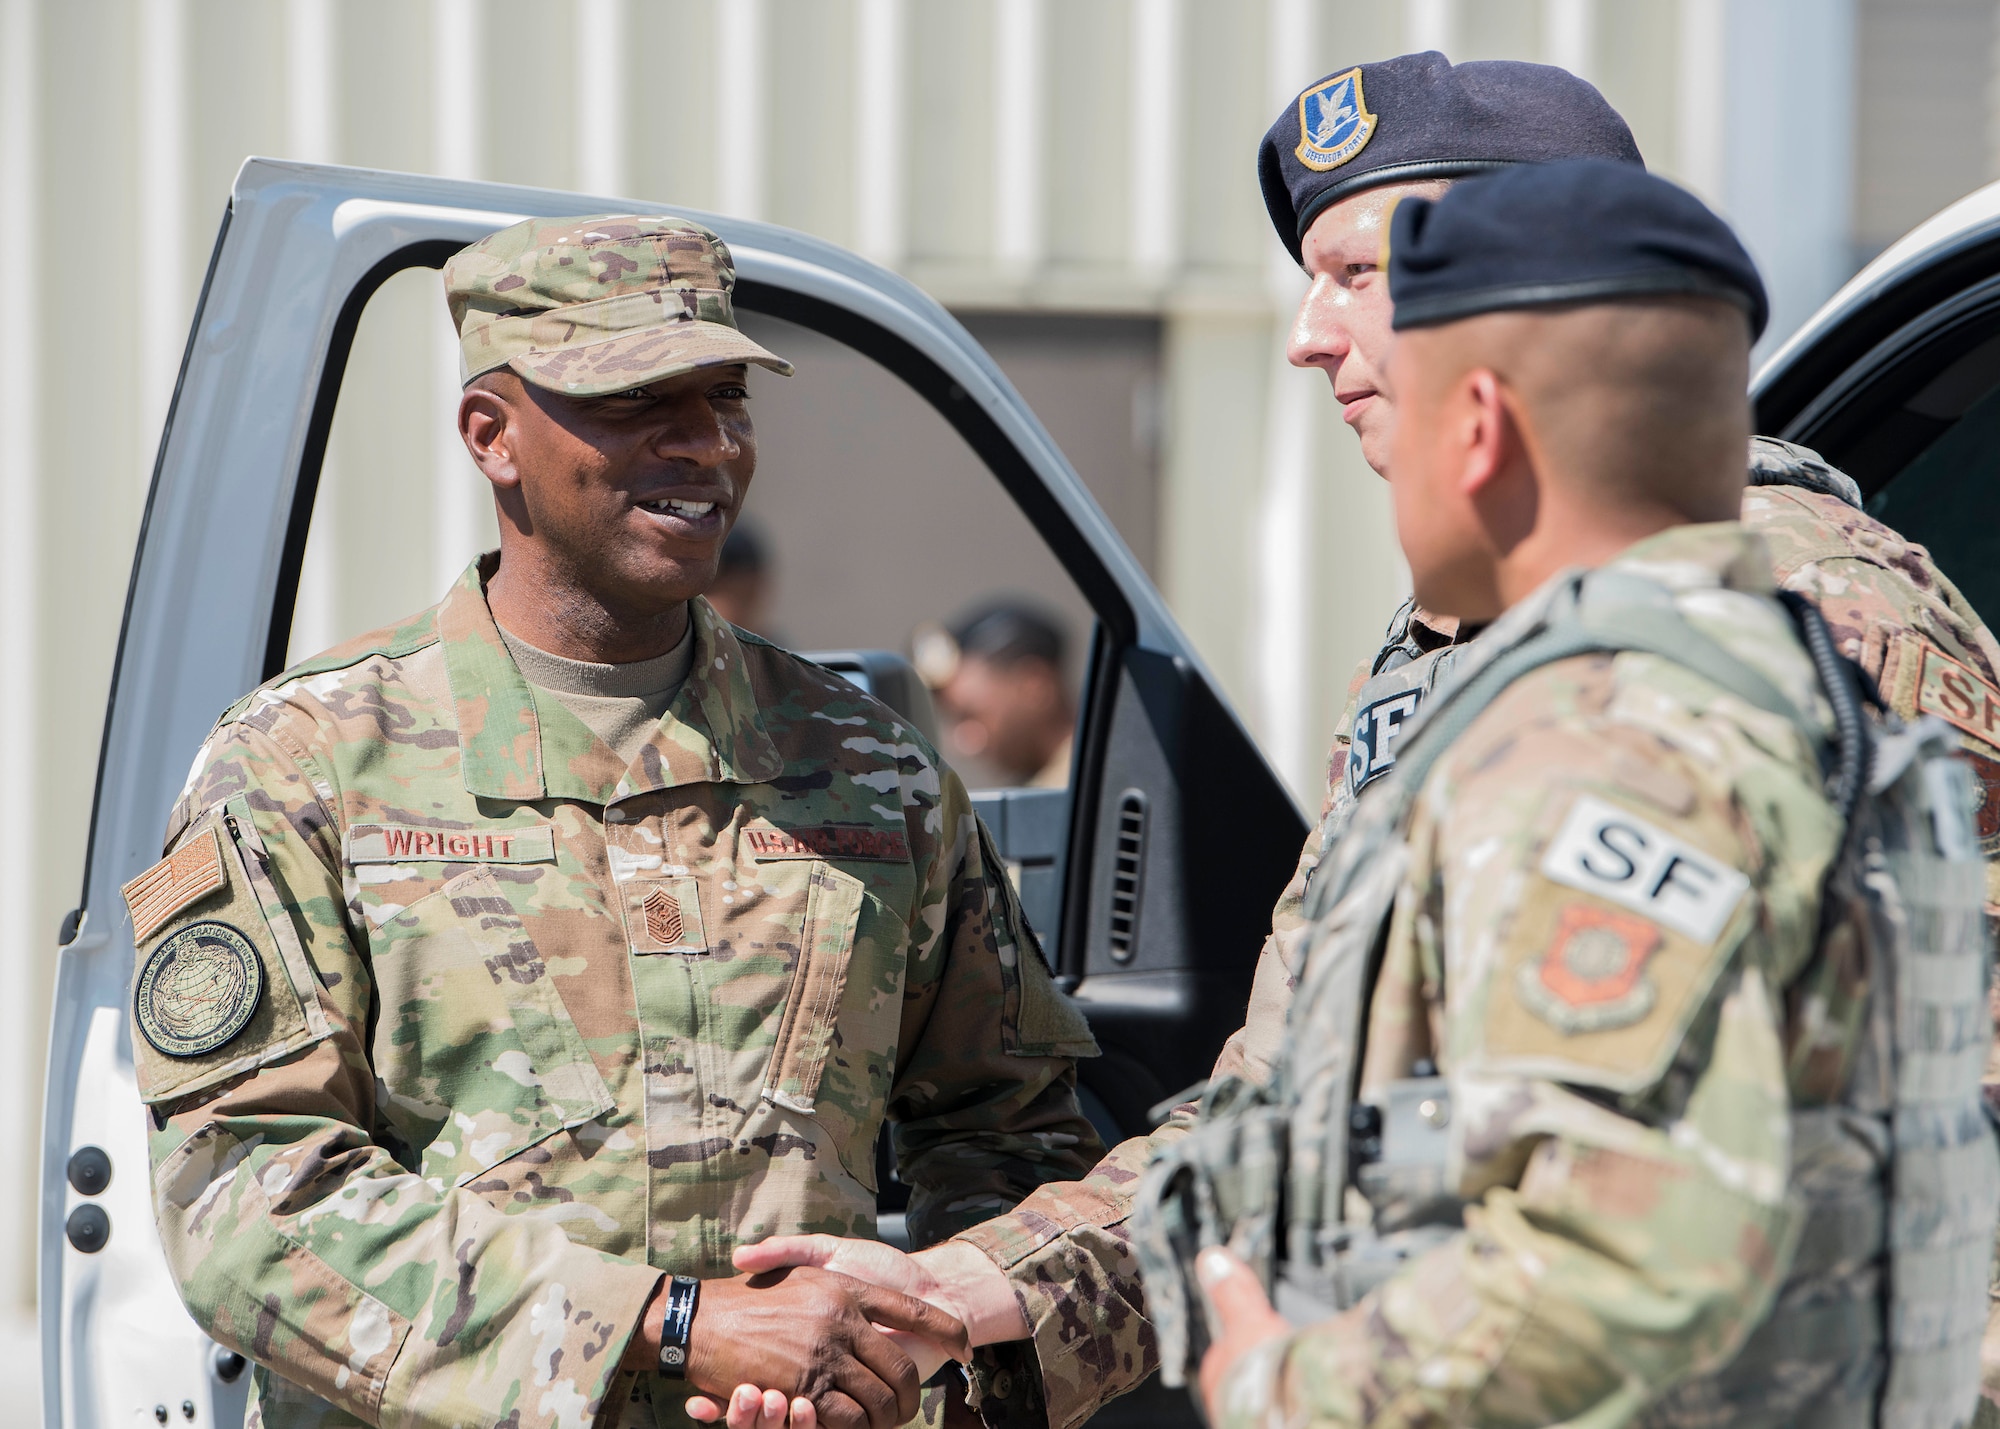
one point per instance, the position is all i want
(1880, 1317)
(1385, 708)
(1407, 669)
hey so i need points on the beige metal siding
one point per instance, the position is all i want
(1025, 155)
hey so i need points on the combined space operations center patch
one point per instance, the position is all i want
(199, 989)
(1334, 122)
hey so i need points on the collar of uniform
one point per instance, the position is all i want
(1704, 556)
(712, 733)
(499, 738)
(1432, 632)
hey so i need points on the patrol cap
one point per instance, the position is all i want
(597, 304)
(1419, 117)
(1579, 231)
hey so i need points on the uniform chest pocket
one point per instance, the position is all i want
(807, 989)
(476, 1058)
(812, 1012)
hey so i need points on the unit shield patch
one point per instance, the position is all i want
(1334, 122)
(1594, 976)
(199, 989)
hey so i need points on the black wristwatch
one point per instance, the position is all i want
(683, 1295)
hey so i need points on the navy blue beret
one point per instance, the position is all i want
(1579, 231)
(1422, 117)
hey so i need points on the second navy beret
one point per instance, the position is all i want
(1575, 232)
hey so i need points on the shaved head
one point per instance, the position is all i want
(1532, 439)
(1639, 401)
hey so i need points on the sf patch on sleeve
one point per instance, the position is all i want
(1953, 693)
(1615, 946)
(221, 983)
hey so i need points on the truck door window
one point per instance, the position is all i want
(1919, 429)
(1944, 495)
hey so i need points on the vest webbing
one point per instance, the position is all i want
(1603, 627)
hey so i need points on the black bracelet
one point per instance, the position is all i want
(683, 1294)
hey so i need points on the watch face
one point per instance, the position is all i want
(199, 989)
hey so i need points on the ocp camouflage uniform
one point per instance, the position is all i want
(1892, 611)
(1634, 1055)
(536, 1026)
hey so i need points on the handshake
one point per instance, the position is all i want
(824, 1330)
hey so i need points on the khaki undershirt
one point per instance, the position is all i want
(620, 704)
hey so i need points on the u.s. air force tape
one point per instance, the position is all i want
(199, 989)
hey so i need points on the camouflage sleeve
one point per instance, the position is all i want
(984, 1099)
(295, 1237)
(1615, 1048)
(1065, 1249)
(1892, 611)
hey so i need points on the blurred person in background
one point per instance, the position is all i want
(743, 585)
(999, 680)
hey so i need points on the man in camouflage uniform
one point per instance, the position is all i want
(562, 936)
(1064, 1252)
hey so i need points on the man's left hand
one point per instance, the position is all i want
(1244, 1319)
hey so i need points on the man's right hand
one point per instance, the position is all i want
(954, 1276)
(812, 1334)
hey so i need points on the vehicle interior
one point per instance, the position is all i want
(1903, 395)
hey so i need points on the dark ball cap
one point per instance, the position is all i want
(1580, 231)
(1423, 117)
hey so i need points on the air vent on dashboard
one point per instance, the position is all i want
(1127, 873)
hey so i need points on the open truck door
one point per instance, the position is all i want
(1151, 876)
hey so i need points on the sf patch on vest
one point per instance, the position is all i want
(221, 983)
(1613, 949)
(1378, 726)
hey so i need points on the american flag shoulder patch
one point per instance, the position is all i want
(191, 871)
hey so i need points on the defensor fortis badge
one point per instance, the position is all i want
(1334, 122)
(199, 989)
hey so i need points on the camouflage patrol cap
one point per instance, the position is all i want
(602, 303)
